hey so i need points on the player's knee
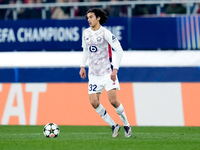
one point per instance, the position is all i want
(94, 103)
(114, 102)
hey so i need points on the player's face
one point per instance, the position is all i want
(93, 21)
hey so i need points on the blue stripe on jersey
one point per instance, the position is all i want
(125, 74)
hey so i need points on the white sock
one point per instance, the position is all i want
(104, 115)
(120, 111)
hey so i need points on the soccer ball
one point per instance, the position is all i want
(51, 130)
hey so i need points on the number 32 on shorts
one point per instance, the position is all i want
(92, 87)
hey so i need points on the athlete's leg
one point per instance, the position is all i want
(112, 96)
(94, 94)
(120, 111)
(94, 100)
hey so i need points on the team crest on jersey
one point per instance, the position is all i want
(113, 38)
(99, 39)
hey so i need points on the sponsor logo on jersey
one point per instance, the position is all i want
(93, 49)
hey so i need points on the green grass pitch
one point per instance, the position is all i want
(99, 138)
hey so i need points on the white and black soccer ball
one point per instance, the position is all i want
(51, 130)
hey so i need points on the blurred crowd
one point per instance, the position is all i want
(65, 12)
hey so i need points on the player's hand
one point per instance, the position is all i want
(82, 72)
(113, 74)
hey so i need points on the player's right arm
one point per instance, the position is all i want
(82, 71)
(83, 63)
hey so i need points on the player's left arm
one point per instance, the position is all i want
(119, 53)
(115, 44)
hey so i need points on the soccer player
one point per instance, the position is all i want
(97, 44)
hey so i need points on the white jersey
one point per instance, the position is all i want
(97, 48)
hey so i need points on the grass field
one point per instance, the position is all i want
(99, 138)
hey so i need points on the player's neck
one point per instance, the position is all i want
(95, 28)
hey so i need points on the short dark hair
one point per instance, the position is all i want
(98, 13)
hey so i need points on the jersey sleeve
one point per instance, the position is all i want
(115, 44)
(85, 52)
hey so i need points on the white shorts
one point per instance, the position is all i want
(98, 83)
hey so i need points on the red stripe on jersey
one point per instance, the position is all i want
(110, 51)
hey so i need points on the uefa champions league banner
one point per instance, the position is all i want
(60, 35)
(138, 33)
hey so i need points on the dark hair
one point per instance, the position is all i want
(98, 13)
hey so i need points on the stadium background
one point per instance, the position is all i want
(159, 74)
